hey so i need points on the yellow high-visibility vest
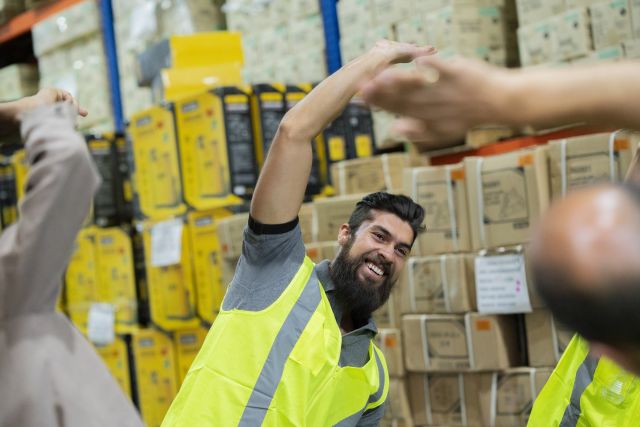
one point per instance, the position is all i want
(279, 367)
(587, 391)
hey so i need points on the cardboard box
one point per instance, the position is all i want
(585, 160)
(454, 399)
(532, 11)
(388, 316)
(390, 342)
(167, 290)
(397, 412)
(631, 48)
(536, 43)
(438, 284)
(572, 34)
(206, 260)
(442, 192)
(81, 279)
(173, 84)
(355, 17)
(412, 30)
(187, 344)
(506, 195)
(156, 172)
(546, 338)
(320, 251)
(217, 160)
(635, 18)
(231, 235)
(610, 23)
(456, 342)
(368, 175)
(513, 393)
(154, 367)
(330, 214)
(116, 357)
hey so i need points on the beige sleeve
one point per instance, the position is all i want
(60, 186)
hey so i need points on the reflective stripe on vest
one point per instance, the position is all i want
(584, 377)
(279, 367)
(286, 339)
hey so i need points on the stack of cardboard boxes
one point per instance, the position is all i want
(71, 56)
(143, 23)
(9, 9)
(283, 39)
(481, 29)
(563, 31)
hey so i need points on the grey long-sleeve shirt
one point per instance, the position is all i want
(49, 374)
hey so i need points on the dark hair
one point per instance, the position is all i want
(606, 312)
(401, 206)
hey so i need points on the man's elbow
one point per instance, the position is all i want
(292, 129)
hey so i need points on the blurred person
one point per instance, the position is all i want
(49, 373)
(293, 342)
(585, 265)
(441, 99)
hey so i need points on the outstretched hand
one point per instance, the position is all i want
(440, 100)
(49, 96)
(397, 52)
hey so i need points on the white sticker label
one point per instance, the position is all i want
(166, 243)
(501, 284)
(101, 323)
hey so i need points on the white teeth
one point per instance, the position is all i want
(375, 269)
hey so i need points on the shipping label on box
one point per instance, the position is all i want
(501, 284)
(513, 393)
(390, 342)
(572, 35)
(154, 367)
(610, 23)
(435, 342)
(442, 192)
(506, 195)
(532, 11)
(330, 214)
(442, 284)
(585, 160)
(535, 43)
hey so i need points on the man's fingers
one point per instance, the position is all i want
(83, 111)
(412, 129)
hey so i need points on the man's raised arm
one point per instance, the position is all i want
(281, 186)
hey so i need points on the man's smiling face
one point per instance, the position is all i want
(370, 261)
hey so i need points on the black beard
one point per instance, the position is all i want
(360, 299)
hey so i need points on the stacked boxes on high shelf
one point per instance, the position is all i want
(283, 39)
(71, 56)
(141, 24)
(18, 81)
(583, 31)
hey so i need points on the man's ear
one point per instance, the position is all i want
(344, 234)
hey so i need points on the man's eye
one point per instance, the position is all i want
(402, 252)
(378, 236)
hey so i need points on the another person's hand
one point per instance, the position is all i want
(441, 100)
(397, 52)
(48, 96)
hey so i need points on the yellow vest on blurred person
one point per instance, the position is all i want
(587, 391)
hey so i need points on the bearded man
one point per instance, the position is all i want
(293, 343)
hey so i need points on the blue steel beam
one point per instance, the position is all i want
(108, 35)
(329, 11)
